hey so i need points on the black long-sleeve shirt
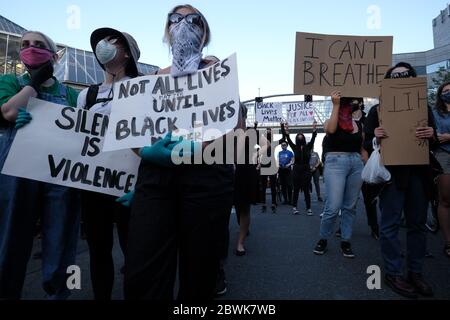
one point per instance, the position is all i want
(302, 155)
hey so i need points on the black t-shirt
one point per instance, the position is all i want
(342, 141)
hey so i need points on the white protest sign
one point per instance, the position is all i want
(202, 106)
(269, 112)
(300, 113)
(62, 145)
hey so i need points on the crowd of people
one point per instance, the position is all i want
(176, 220)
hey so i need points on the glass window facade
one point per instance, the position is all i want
(435, 67)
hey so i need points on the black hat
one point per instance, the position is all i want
(131, 44)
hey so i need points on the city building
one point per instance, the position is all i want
(77, 68)
(428, 62)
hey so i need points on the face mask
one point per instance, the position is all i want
(186, 48)
(105, 51)
(446, 97)
(34, 57)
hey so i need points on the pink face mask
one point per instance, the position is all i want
(34, 57)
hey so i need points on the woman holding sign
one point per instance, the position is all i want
(117, 53)
(23, 200)
(405, 193)
(342, 173)
(179, 214)
(442, 152)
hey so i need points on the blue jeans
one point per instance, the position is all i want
(22, 202)
(342, 187)
(414, 204)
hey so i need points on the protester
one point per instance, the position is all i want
(407, 193)
(117, 53)
(22, 201)
(179, 214)
(285, 161)
(315, 165)
(266, 159)
(343, 167)
(301, 172)
(441, 114)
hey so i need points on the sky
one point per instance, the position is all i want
(262, 33)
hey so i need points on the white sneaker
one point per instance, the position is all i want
(294, 210)
(321, 215)
(309, 212)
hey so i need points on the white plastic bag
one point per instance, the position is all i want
(374, 172)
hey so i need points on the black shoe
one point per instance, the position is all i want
(221, 283)
(375, 233)
(400, 286)
(240, 253)
(274, 209)
(338, 233)
(346, 248)
(422, 287)
(320, 199)
(321, 247)
(263, 209)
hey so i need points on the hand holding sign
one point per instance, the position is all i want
(424, 133)
(336, 98)
(160, 153)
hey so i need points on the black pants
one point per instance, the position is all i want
(273, 188)
(99, 212)
(180, 222)
(302, 181)
(370, 192)
(316, 179)
(286, 184)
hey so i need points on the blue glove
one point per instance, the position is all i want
(23, 117)
(160, 152)
(126, 199)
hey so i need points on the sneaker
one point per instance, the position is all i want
(338, 233)
(321, 247)
(263, 209)
(347, 249)
(422, 287)
(309, 212)
(321, 215)
(221, 283)
(320, 199)
(294, 210)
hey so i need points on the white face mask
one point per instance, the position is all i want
(105, 51)
(186, 48)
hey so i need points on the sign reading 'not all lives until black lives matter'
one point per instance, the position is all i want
(62, 145)
(201, 106)
(354, 65)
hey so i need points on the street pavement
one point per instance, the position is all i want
(280, 264)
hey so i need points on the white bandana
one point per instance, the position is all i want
(186, 48)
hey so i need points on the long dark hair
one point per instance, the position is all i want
(406, 65)
(440, 106)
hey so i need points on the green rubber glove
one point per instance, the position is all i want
(126, 199)
(23, 118)
(160, 153)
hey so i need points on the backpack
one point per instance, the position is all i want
(91, 97)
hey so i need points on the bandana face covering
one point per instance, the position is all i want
(186, 48)
(345, 121)
(446, 97)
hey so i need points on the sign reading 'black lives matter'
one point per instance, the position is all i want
(202, 106)
(354, 65)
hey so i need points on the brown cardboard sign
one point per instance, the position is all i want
(403, 108)
(354, 65)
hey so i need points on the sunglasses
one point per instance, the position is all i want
(192, 18)
(404, 74)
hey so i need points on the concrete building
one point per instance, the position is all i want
(77, 68)
(428, 62)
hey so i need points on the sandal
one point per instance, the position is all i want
(447, 250)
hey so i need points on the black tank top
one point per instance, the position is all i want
(342, 141)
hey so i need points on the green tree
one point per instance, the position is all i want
(442, 75)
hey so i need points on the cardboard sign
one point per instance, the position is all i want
(269, 112)
(403, 108)
(202, 106)
(300, 113)
(353, 65)
(62, 145)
